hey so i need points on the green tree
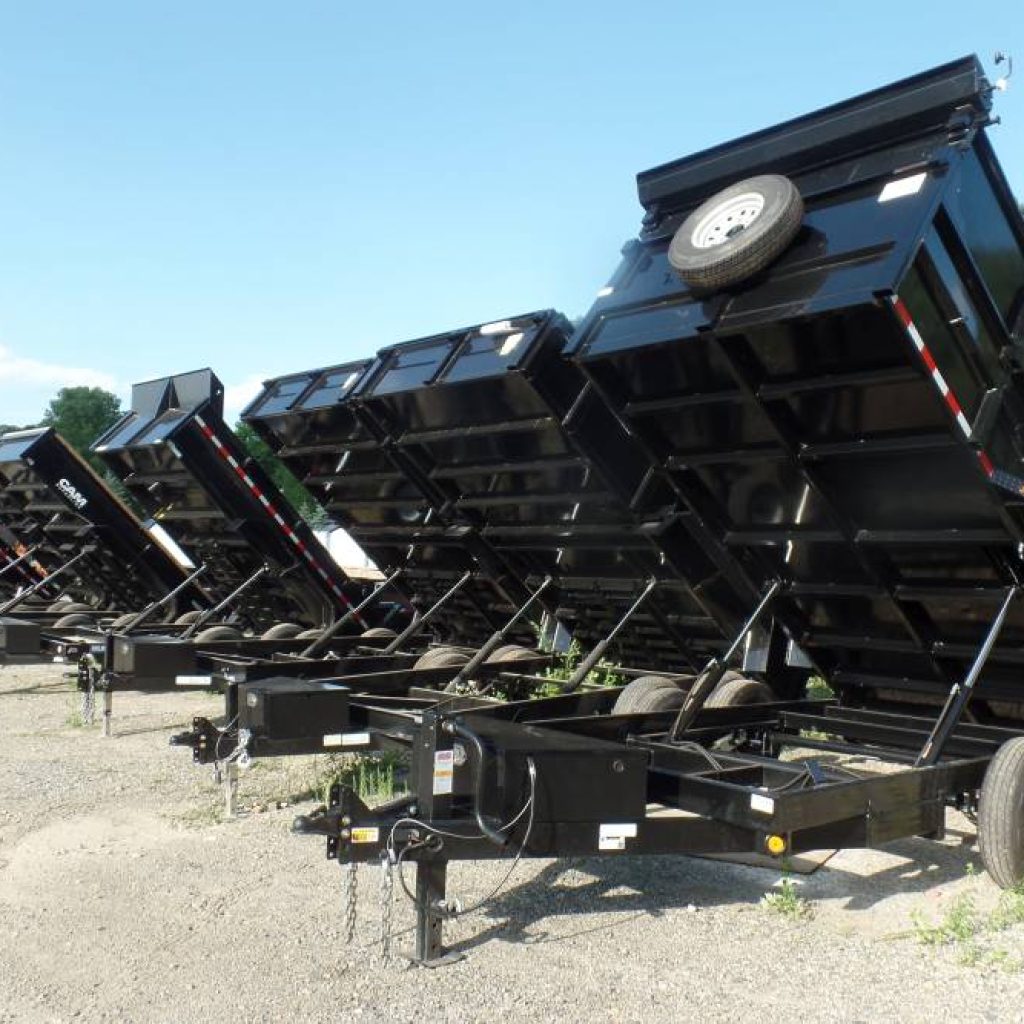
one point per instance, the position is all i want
(297, 495)
(80, 415)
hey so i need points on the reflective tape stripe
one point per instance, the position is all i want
(940, 382)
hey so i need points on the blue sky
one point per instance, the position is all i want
(264, 188)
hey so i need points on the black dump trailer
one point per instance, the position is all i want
(834, 397)
(484, 443)
(482, 451)
(85, 544)
(274, 579)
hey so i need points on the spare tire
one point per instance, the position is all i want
(648, 694)
(737, 232)
(282, 631)
(75, 619)
(217, 633)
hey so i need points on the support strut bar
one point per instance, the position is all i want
(417, 625)
(495, 640)
(960, 693)
(21, 558)
(18, 598)
(587, 664)
(240, 589)
(160, 602)
(319, 645)
(706, 682)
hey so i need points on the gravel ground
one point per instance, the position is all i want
(124, 897)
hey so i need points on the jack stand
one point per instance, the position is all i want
(108, 705)
(430, 902)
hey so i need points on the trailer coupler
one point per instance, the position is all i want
(205, 739)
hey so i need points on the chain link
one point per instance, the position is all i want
(348, 900)
(387, 902)
(87, 669)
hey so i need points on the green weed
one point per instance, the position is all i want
(787, 901)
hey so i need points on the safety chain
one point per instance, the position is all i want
(348, 900)
(387, 902)
(86, 669)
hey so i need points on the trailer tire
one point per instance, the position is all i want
(737, 232)
(67, 607)
(510, 653)
(282, 631)
(739, 691)
(75, 619)
(187, 618)
(310, 634)
(647, 694)
(442, 657)
(122, 620)
(379, 632)
(211, 633)
(1001, 815)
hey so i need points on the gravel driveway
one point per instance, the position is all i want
(124, 897)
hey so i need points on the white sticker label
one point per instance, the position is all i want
(444, 771)
(193, 680)
(902, 187)
(762, 804)
(614, 836)
(58, 659)
(347, 739)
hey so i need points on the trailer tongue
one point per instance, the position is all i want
(840, 426)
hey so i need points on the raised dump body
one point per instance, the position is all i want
(312, 425)
(484, 443)
(850, 420)
(185, 466)
(66, 507)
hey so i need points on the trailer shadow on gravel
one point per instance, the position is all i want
(852, 881)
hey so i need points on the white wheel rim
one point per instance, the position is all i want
(727, 220)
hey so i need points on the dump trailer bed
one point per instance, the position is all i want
(68, 506)
(484, 443)
(184, 465)
(850, 421)
(314, 428)
(842, 421)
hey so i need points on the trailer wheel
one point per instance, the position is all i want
(310, 634)
(122, 620)
(75, 619)
(648, 694)
(282, 631)
(442, 657)
(217, 633)
(738, 691)
(67, 607)
(378, 631)
(1001, 815)
(737, 232)
(511, 653)
(187, 618)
